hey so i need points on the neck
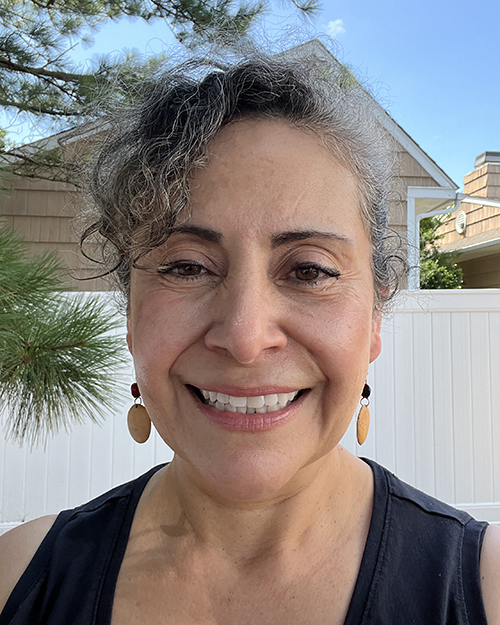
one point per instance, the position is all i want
(317, 505)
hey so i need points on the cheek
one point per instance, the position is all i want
(340, 341)
(161, 328)
(338, 329)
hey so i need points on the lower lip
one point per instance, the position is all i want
(238, 421)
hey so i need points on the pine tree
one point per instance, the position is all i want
(437, 268)
(37, 76)
(40, 83)
(56, 349)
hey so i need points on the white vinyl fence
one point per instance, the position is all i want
(435, 410)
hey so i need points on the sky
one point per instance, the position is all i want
(434, 65)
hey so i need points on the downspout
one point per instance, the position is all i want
(413, 224)
(442, 211)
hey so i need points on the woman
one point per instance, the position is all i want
(245, 208)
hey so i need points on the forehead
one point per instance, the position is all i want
(268, 172)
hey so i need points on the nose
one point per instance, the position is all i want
(246, 321)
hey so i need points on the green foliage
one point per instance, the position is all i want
(437, 269)
(37, 77)
(40, 83)
(56, 349)
(347, 78)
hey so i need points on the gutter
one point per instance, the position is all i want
(446, 195)
(478, 246)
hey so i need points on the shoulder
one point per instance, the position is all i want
(437, 554)
(89, 525)
(490, 574)
(55, 543)
(17, 548)
(431, 507)
(410, 497)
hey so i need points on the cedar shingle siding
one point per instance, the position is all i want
(42, 212)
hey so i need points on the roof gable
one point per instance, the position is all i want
(317, 48)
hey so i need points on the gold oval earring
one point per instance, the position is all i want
(138, 421)
(363, 420)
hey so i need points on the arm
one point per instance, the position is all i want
(490, 574)
(17, 548)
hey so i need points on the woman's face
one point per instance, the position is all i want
(264, 290)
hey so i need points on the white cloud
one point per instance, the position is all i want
(335, 28)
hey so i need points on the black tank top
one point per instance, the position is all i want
(420, 565)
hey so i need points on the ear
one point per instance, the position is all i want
(129, 333)
(375, 341)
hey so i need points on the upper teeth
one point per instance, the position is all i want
(249, 405)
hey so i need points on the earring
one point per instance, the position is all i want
(363, 420)
(138, 421)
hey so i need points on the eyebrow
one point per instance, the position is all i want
(207, 234)
(301, 235)
(290, 236)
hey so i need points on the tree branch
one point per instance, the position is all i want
(39, 110)
(40, 71)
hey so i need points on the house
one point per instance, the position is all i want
(42, 211)
(473, 230)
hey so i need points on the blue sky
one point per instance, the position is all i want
(434, 65)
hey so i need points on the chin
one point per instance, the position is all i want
(247, 476)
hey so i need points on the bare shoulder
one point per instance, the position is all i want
(490, 574)
(17, 548)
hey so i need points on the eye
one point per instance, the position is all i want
(307, 273)
(312, 273)
(188, 270)
(183, 269)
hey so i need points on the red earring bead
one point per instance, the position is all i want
(134, 389)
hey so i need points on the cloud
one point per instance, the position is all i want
(335, 28)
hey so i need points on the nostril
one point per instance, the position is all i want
(246, 335)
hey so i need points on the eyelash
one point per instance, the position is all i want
(329, 272)
(171, 267)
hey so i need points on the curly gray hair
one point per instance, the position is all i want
(140, 180)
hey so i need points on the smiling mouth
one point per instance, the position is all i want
(259, 404)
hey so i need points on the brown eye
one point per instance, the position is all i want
(307, 273)
(188, 270)
(183, 270)
(311, 274)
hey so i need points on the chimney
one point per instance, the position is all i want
(487, 157)
(484, 181)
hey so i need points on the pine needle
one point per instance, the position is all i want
(60, 360)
